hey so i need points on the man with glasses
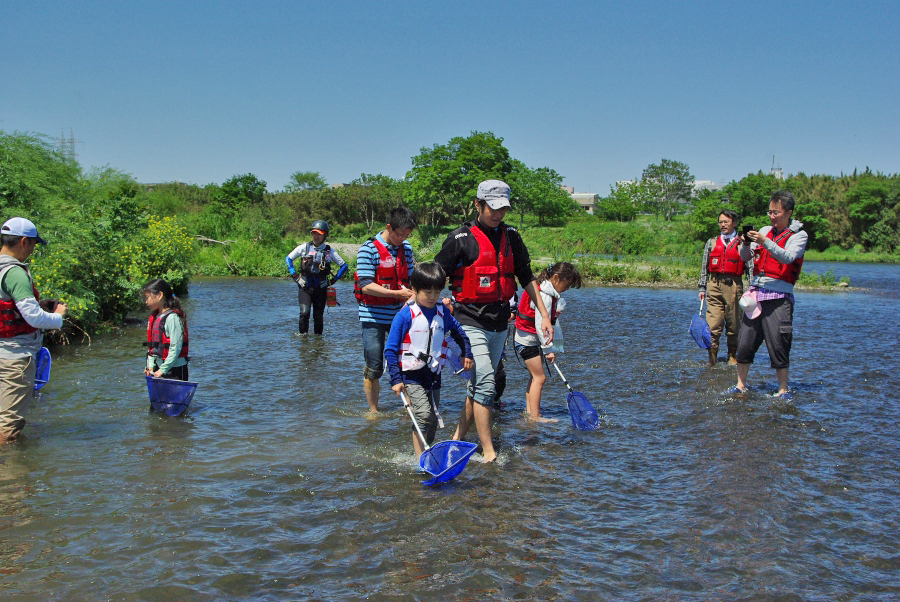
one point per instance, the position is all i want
(777, 253)
(22, 322)
(721, 284)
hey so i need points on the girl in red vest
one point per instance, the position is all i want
(529, 341)
(167, 332)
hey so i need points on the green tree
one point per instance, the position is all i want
(33, 175)
(622, 203)
(671, 184)
(243, 190)
(306, 180)
(705, 209)
(539, 191)
(444, 178)
(750, 197)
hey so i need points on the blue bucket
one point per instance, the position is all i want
(170, 397)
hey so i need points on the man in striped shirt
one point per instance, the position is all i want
(383, 265)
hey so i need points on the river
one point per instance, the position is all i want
(275, 485)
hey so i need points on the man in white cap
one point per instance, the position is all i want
(22, 322)
(484, 258)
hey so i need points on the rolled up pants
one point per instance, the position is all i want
(722, 310)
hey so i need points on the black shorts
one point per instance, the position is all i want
(527, 352)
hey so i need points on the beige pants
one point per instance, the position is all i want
(722, 309)
(16, 392)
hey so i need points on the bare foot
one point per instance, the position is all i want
(541, 419)
(372, 415)
(488, 458)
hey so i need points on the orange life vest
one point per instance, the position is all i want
(525, 317)
(391, 274)
(766, 265)
(725, 260)
(12, 324)
(491, 277)
(157, 341)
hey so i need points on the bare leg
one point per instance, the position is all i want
(782, 374)
(536, 379)
(417, 445)
(483, 425)
(742, 371)
(372, 389)
(465, 420)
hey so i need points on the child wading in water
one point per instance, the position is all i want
(416, 348)
(167, 332)
(529, 341)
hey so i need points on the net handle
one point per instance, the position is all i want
(408, 405)
(568, 386)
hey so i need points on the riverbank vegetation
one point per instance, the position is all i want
(109, 234)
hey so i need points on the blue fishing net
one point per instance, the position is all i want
(454, 362)
(700, 332)
(445, 460)
(584, 416)
(42, 368)
(170, 397)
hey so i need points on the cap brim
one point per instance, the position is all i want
(40, 240)
(498, 203)
(319, 231)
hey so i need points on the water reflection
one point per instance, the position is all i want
(275, 485)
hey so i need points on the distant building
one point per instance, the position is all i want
(706, 185)
(586, 200)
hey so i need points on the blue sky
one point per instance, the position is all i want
(200, 91)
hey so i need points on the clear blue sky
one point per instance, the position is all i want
(200, 91)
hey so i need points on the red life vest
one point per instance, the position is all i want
(424, 338)
(725, 260)
(12, 324)
(766, 265)
(491, 277)
(157, 341)
(390, 273)
(525, 317)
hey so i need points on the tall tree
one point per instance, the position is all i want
(672, 185)
(444, 178)
(539, 191)
(305, 180)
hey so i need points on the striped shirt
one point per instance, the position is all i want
(367, 260)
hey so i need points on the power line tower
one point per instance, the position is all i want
(67, 145)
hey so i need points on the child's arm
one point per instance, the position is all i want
(176, 338)
(399, 327)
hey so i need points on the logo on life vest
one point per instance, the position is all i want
(715, 261)
(484, 282)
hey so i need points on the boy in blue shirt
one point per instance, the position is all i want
(416, 348)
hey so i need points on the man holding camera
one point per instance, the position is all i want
(777, 251)
(720, 284)
(23, 318)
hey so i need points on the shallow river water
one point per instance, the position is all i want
(276, 486)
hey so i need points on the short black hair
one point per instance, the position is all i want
(785, 198)
(732, 215)
(428, 275)
(10, 240)
(401, 218)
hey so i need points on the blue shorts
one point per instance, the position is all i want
(373, 335)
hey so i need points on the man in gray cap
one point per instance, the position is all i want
(484, 258)
(23, 318)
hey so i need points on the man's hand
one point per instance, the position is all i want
(702, 295)
(467, 364)
(60, 309)
(295, 277)
(405, 293)
(398, 388)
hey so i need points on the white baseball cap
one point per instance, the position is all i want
(19, 226)
(495, 193)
